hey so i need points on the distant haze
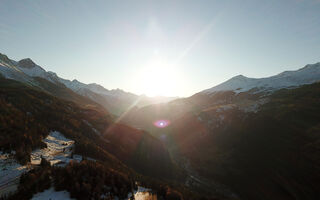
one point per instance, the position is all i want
(170, 48)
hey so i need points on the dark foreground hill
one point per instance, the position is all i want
(124, 154)
(260, 145)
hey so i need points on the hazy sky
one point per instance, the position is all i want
(161, 47)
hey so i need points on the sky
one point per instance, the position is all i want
(167, 47)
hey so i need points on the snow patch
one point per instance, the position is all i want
(11, 72)
(10, 172)
(51, 194)
(37, 71)
(34, 71)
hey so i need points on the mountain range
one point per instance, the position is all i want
(115, 101)
(288, 79)
(246, 138)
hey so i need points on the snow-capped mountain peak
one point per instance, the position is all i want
(9, 69)
(26, 63)
(30, 68)
(5, 60)
(306, 75)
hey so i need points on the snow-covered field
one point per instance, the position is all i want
(52, 195)
(58, 151)
(10, 171)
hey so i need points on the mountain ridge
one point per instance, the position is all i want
(306, 75)
(116, 101)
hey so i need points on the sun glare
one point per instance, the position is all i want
(158, 78)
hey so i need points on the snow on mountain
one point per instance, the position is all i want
(81, 89)
(24, 69)
(306, 75)
(115, 92)
(98, 89)
(9, 70)
(73, 85)
(13, 73)
(28, 67)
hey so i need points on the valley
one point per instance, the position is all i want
(159, 100)
(237, 140)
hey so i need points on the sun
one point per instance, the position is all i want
(158, 78)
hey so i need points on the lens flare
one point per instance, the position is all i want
(161, 123)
